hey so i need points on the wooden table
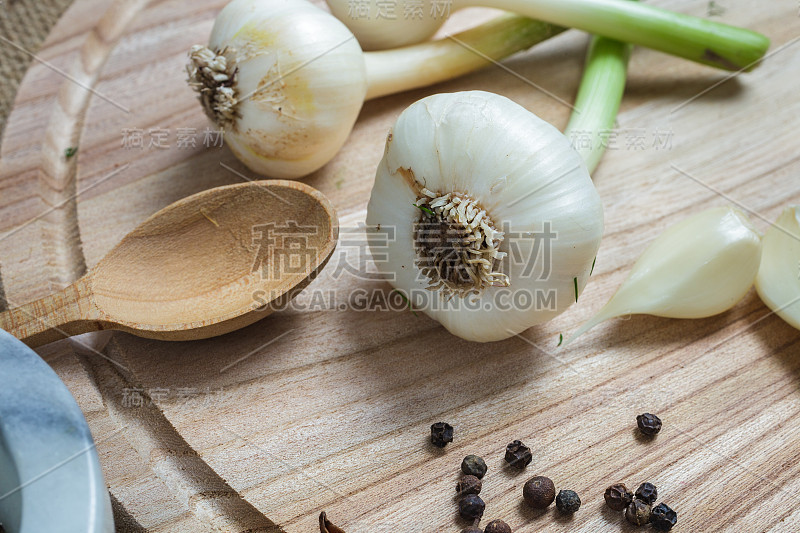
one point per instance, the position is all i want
(328, 408)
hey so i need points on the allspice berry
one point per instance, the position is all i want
(539, 492)
(497, 526)
(649, 424)
(474, 466)
(618, 497)
(468, 485)
(647, 493)
(471, 507)
(638, 513)
(568, 501)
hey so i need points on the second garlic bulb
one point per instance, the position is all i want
(486, 217)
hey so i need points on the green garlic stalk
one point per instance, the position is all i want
(599, 97)
(423, 64)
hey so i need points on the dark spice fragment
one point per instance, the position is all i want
(518, 455)
(441, 434)
(638, 513)
(539, 492)
(469, 485)
(497, 526)
(472, 529)
(474, 465)
(618, 497)
(471, 507)
(647, 493)
(662, 517)
(568, 501)
(649, 424)
(325, 525)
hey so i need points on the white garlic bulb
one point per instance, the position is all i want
(487, 218)
(778, 280)
(697, 268)
(285, 112)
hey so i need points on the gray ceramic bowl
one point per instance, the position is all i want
(50, 478)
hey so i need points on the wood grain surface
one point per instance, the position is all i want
(328, 407)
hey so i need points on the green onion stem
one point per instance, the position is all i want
(698, 39)
(423, 64)
(598, 99)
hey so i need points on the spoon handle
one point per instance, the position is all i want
(60, 315)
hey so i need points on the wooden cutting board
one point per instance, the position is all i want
(324, 407)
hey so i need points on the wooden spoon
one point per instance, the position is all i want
(206, 265)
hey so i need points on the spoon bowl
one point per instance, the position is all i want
(206, 265)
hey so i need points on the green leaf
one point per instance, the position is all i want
(592, 269)
(405, 299)
(575, 281)
(560, 339)
(71, 151)
(424, 209)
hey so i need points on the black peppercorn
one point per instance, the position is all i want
(618, 497)
(647, 493)
(568, 501)
(474, 465)
(518, 455)
(649, 424)
(638, 513)
(539, 492)
(497, 526)
(471, 507)
(662, 517)
(441, 434)
(468, 485)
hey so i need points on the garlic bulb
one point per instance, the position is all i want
(697, 268)
(693, 38)
(486, 216)
(284, 112)
(285, 80)
(778, 280)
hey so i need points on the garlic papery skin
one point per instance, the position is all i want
(285, 81)
(778, 280)
(482, 215)
(697, 268)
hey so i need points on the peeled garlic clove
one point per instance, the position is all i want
(477, 160)
(697, 268)
(778, 280)
(285, 81)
